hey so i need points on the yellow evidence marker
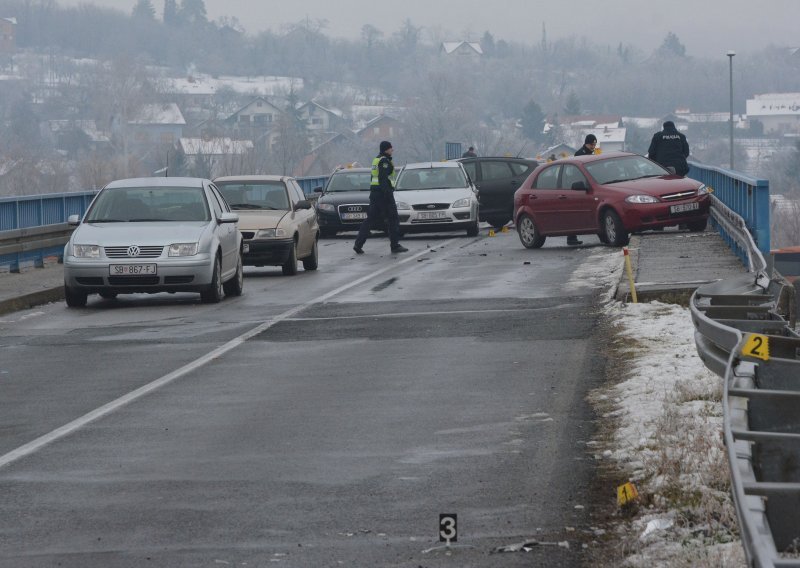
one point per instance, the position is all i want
(491, 232)
(627, 494)
(757, 346)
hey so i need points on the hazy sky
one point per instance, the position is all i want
(706, 27)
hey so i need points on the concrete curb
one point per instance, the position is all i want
(31, 300)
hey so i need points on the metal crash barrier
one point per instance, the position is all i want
(742, 334)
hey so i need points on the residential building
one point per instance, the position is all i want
(319, 118)
(256, 116)
(381, 127)
(469, 49)
(156, 124)
(779, 113)
(8, 36)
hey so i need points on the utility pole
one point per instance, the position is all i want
(730, 55)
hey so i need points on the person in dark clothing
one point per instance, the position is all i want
(589, 144)
(381, 201)
(670, 149)
(470, 153)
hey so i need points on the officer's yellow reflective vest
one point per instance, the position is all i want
(375, 181)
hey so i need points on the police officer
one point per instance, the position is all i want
(670, 149)
(381, 201)
(589, 144)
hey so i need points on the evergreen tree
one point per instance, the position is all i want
(193, 12)
(487, 43)
(573, 106)
(170, 12)
(533, 121)
(144, 10)
(672, 47)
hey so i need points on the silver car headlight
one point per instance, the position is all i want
(641, 199)
(703, 190)
(403, 206)
(270, 233)
(462, 203)
(86, 251)
(183, 249)
(326, 207)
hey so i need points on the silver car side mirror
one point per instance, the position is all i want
(74, 220)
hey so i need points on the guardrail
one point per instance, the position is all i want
(746, 196)
(741, 334)
(33, 227)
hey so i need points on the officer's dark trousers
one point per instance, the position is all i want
(381, 208)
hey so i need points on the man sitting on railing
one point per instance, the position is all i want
(670, 149)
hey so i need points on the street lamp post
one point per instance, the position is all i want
(730, 55)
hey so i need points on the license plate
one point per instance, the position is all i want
(132, 269)
(432, 215)
(353, 216)
(684, 207)
(245, 248)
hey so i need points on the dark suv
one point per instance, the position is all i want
(344, 201)
(496, 180)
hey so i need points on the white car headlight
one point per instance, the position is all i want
(402, 206)
(462, 203)
(183, 249)
(703, 189)
(641, 199)
(270, 233)
(326, 207)
(86, 251)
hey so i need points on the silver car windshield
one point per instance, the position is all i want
(140, 204)
(627, 168)
(431, 178)
(270, 195)
(350, 181)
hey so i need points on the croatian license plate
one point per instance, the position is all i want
(132, 269)
(684, 207)
(432, 215)
(353, 216)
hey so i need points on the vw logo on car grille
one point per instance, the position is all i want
(354, 209)
(134, 251)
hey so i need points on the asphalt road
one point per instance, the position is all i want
(325, 419)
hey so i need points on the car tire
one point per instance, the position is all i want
(697, 226)
(474, 229)
(614, 230)
(312, 261)
(213, 293)
(289, 267)
(528, 233)
(108, 295)
(327, 233)
(235, 285)
(603, 238)
(73, 298)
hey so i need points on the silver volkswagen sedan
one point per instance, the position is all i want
(154, 235)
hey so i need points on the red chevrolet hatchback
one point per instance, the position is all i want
(610, 195)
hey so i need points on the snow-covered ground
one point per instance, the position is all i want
(662, 425)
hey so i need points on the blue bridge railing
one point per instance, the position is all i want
(42, 211)
(745, 195)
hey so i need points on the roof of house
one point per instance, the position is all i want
(214, 146)
(774, 104)
(451, 46)
(336, 112)
(256, 99)
(168, 113)
(88, 127)
(608, 135)
(11, 20)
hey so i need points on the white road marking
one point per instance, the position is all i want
(106, 409)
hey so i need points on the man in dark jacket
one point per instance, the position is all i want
(381, 201)
(589, 144)
(670, 149)
(470, 153)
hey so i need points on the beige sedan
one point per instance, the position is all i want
(278, 225)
